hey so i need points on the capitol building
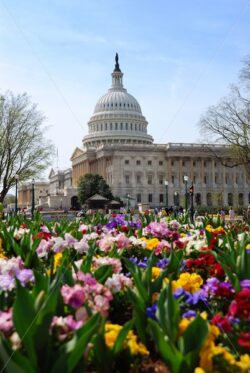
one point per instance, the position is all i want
(119, 148)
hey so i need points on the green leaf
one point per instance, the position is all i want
(24, 317)
(122, 336)
(14, 361)
(169, 313)
(102, 273)
(135, 272)
(195, 335)
(83, 337)
(172, 357)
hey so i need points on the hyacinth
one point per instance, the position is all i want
(118, 282)
(159, 230)
(111, 333)
(189, 282)
(64, 326)
(6, 323)
(101, 261)
(90, 292)
(13, 268)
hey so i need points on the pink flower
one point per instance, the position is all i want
(43, 248)
(6, 323)
(122, 241)
(74, 296)
(81, 246)
(64, 326)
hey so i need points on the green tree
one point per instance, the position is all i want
(91, 184)
(24, 151)
(228, 122)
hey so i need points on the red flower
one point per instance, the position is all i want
(222, 322)
(241, 305)
(217, 271)
(23, 226)
(244, 340)
(42, 235)
(124, 228)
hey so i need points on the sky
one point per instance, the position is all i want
(178, 58)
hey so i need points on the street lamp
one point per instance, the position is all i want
(33, 198)
(175, 198)
(191, 192)
(128, 197)
(16, 202)
(186, 193)
(166, 185)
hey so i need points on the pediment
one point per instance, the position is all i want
(77, 152)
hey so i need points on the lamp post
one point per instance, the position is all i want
(16, 202)
(175, 198)
(33, 199)
(186, 192)
(128, 196)
(166, 185)
(191, 192)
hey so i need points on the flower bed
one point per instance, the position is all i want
(124, 293)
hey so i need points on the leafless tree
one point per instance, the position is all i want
(228, 122)
(24, 151)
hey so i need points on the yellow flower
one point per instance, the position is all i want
(152, 243)
(199, 370)
(156, 271)
(111, 334)
(189, 282)
(57, 262)
(2, 256)
(183, 325)
(248, 246)
(244, 363)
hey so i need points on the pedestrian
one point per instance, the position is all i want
(231, 214)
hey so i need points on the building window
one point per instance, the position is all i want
(150, 198)
(138, 162)
(172, 179)
(209, 199)
(116, 126)
(138, 179)
(161, 198)
(172, 163)
(215, 179)
(241, 199)
(230, 199)
(183, 163)
(160, 163)
(127, 179)
(226, 179)
(161, 179)
(205, 163)
(126, 126)
(138, 198)
(194, 179)
(150, 163)
(205, 179)
(236, 180)
(194, 163)
(126, 161)
(150, 179)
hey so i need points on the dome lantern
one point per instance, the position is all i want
(117, 74)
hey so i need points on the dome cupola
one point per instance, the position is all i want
(117, 117)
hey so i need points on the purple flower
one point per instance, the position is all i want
(151, 311)
(25, 275)
(143, 263)
(189, 313)
(245, 284)
(178, 293)
(7, 282)
(193, 299)
(162, 263)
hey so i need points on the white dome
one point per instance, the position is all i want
(118, 101)
(117, 117)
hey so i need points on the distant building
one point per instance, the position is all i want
(119, 148)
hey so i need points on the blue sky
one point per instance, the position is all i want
(178, 57)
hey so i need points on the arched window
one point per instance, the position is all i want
(230, 199)
(209, 199)
(241, 199)
(198, 199)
